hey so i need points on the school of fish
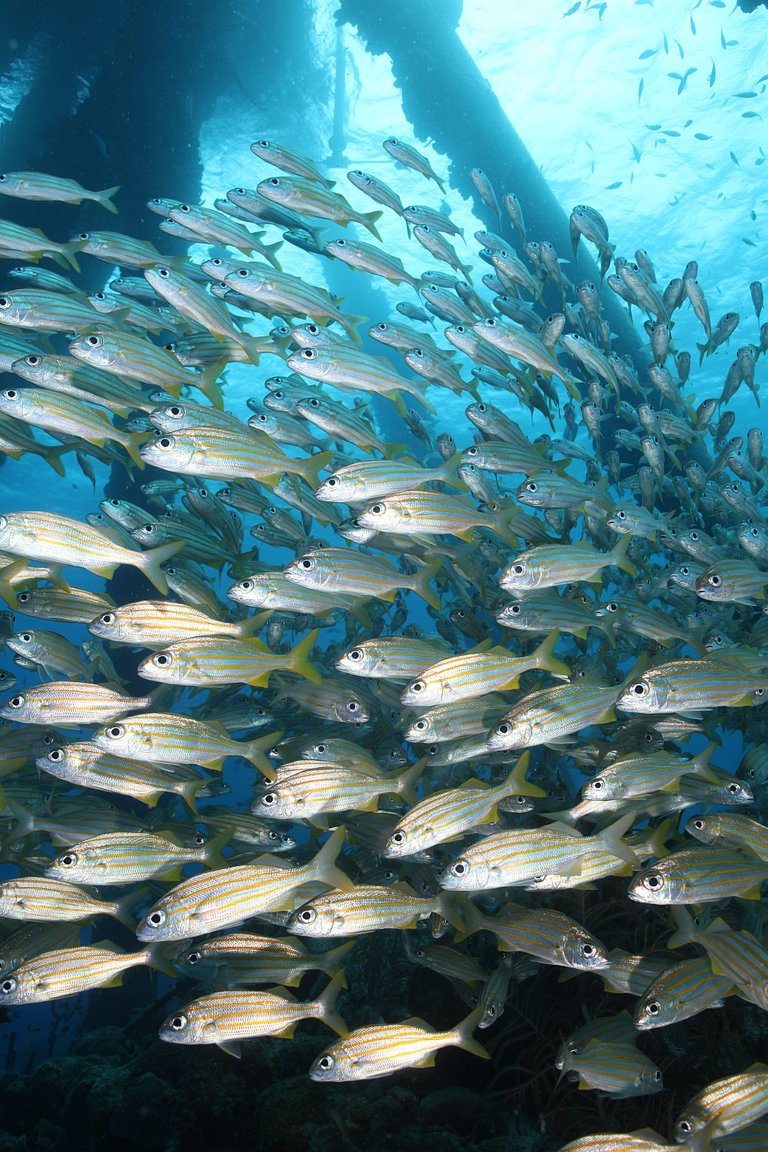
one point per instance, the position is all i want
(466, 680)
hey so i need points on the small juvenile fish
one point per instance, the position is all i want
(406, 154)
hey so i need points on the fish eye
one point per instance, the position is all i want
(25, 637)
(165, 442)
(194, 957)
(611, 606)
(242, 273)
(307, 563)
(56, 755)
(8, 985)
(245, 585)
(653, 881)
(11, 394)
(714, 580)
(163, 273)
(377, 509)
(588, 951)
(398, 837)
(355, 654)
(22, 597)
(69, 860)
(352, 706)
(263, 143)
(16, 701)
(531, 486)
(268, 799)
(640, 689)
(116, 731)
(178, 1023)
(518, 569)
(421, 725)
(419, 352)
(653, 1008)
(325, 1063)
(598, 784)
(307, 915)
(698, 825)
(418, 686)
(503, 729)
(460, 868)
(274, 181)
(162, 660)
(685, 1126)
(657, 1075)
(308, 354)
(332, 481)
(734, 789)
(621, 514)
(156, 919)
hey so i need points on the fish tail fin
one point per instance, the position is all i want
(545, 658)
(105, 198)
(151, 561)
(369, 219)
(326, 1003)
(53, 457)
(132, 443)
(24, 821)
(333, 958)
(620, 558)
(657, 842)
(685, 928)
(268, 251)
(299, 658)
(441, 184)
(156, 954)
(612, 838)
(207, 384)
(123, 910)
(312, 466)
(516, 783)
(700, 764)
(69, 252)
(189, 791)
(421, 582)
(212, 850)
(7, 573)
(465, 1039)
(255, 751)
(351, 325)
(407, 780)
(324, 865)
(704, 350)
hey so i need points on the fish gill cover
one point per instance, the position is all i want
(385, 645)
